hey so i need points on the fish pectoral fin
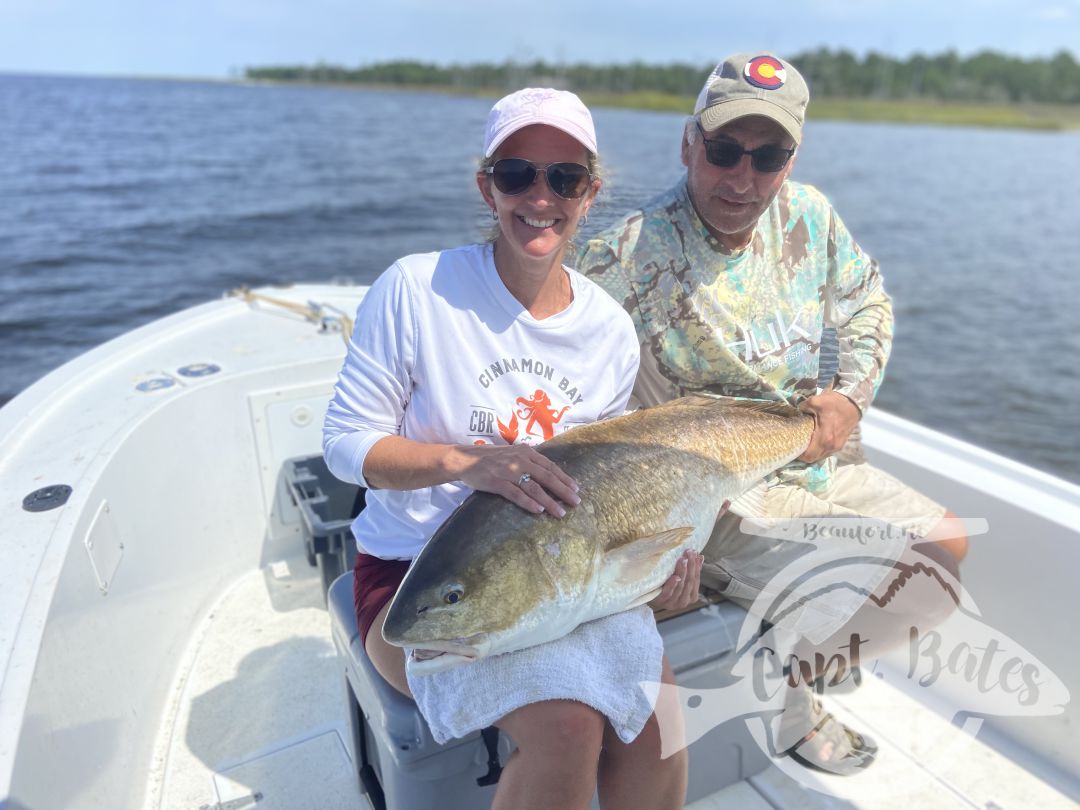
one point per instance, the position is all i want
(637, 559)
(644, 598)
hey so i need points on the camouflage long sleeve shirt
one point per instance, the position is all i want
(747, 323)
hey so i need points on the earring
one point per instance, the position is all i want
(494, 215)
(583, 220)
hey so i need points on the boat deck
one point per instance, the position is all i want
(257, 718)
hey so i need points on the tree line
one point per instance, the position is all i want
(985, 76)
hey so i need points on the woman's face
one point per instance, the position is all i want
(537, 223)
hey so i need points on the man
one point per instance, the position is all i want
(741, 283)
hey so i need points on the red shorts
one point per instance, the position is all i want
(375, 581)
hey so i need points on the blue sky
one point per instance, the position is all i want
(210, 38)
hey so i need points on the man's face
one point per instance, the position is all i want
(730, 201)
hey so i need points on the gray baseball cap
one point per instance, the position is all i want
(745, 84)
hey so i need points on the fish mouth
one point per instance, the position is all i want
(440, 662)
(451, 652)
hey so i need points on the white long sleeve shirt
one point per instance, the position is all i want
(443, 352)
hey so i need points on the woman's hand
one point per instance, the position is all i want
(681, 588)
(518, 473)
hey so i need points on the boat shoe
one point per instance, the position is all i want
(821, 742)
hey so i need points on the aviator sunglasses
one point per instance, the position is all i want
(515, 175)
(766, 159)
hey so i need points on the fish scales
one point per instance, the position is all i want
(495, 578)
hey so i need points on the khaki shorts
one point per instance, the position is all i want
(741, 566)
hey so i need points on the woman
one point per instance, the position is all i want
(460, 361)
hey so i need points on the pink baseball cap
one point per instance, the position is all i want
(539, 105)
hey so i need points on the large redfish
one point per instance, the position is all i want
(495, 578)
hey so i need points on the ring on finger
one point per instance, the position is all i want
(524, 479)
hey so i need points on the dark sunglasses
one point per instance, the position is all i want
(515, 175)
(767, 159)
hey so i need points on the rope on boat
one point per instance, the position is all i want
(329, 318)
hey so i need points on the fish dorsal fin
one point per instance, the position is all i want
(638, 558)
(778, 407)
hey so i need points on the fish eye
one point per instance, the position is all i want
(452, 594)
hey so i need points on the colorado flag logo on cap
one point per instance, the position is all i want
(765, 72)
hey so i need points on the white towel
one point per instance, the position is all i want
(600, 664)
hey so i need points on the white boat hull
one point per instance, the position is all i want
(177, 501)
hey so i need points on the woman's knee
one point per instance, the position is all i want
(562, 729)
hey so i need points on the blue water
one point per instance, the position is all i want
(122, 201)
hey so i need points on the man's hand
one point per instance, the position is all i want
(835, 416)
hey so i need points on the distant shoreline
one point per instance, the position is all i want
(1050, 117)
(1027, 116)
(1032, 116)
